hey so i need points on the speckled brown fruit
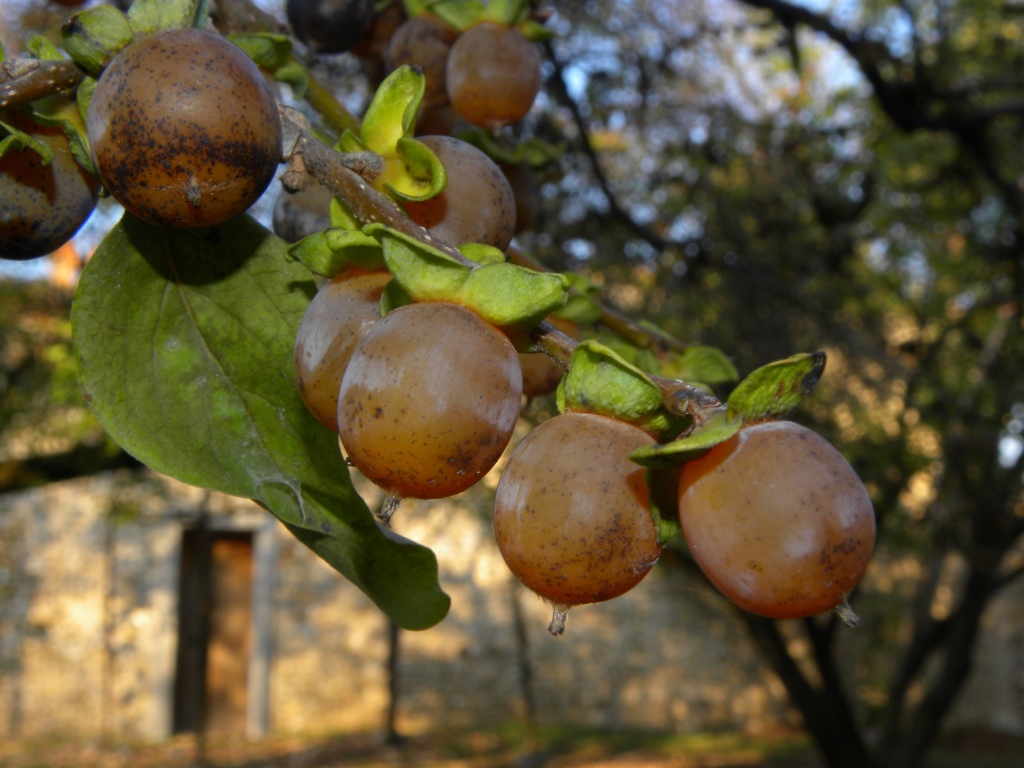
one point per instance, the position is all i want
(477, 206)
(777, 520)
(424, 41)
(429, 400)
(184, 129)
(336, 320)
(492, 75)
(571, 515)
(41, 207)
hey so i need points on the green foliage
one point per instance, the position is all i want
(184, 344)
(502, 294)
(601, 381)
(273, 53)
(93, 37)
(775, 389)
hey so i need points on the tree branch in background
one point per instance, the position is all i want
(81, 460)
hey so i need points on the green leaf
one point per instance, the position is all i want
(581, 310)
(332, 251)
(43, 49)
(83, 96)
(66, 118)
(706, 365)
(536, 32)
(393, 297)
(273, 52)
(533, 152)
(148, 16)
(774, 390)
(93, 37)
(715, 430)
(184, 342)
(18, 140)
(507, 12)
(340, 216)
(663, 498)
(460, 14)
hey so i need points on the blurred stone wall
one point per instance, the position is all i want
(88, 631)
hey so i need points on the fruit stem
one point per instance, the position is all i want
(388, 507)
(846, 614)
(559, 613)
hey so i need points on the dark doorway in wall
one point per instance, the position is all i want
(214, 620)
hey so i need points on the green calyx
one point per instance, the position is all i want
(503, 294)
(411, 170)
(768, 393)
(600, 380)
(93, 37)
(332, 251)
(714, 430)
(460, 14)
(463, 14)
(706, 365)
(148, 16)
(273, 52)
(775, 389)
(533, 152)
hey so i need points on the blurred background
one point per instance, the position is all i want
(762, 176)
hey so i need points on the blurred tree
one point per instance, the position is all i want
(785, 179)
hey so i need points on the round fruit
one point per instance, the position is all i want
(777, 520)
(571, 513)
(41, 207)
(493, 75)
(424, 41)
(336, 320)
(329, 26)
(184, 129)
(477, 206)
(429, 400)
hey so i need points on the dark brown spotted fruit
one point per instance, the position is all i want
(184, 129)
(41, 206)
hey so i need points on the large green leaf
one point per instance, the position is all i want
(184, 341)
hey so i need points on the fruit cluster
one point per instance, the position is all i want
(426, 399)
(411, 351)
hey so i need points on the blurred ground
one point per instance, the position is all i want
(494, 749)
